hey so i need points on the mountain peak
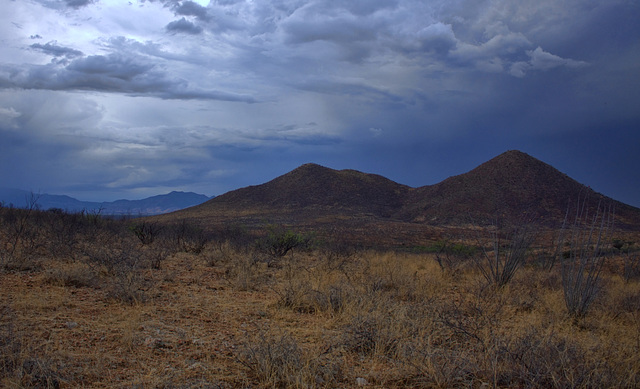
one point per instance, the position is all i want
(513, 184)
(316, 186)
(513, 161)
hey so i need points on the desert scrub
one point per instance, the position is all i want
(73, 274)
(274, 359)
(279, 241)
(589, 240)
(188, 237)
(504, 253)
(245, 272)
(22, 364)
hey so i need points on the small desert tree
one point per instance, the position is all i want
(279, 241)
(146, 231)
(18, 237)
(189, 238)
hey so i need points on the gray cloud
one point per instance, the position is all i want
(62, 4)
(189, 8)
(114, 73)
(344, 28)
(78, 3)
(52, 48)
(183, 26)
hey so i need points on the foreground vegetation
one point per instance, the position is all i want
(92, 302)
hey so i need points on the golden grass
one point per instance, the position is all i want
(226, 319)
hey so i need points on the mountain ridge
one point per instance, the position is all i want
(154, 205)
(313, 185)
(513, 185)
(512, 182)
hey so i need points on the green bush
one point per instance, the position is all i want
(280, 241)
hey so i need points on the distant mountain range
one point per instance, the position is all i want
(154, 205)
(363, 207)
(513, 186)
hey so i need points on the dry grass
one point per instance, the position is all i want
(223, 318)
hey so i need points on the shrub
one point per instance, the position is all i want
(275, 360)
(189, 238)
(243, 273)
(146, 232)
(507, 253)
(280, 241)
(581, 268)
(449, 255)
(76, 274)
(19, 240)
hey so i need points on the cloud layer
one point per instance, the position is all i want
(131, 99)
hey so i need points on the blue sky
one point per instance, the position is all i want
(105, 99)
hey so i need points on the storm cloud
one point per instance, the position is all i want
(113, 73)
(136, 98)
(183, 26)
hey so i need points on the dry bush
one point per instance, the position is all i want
(75, 274)
(505, 253)
(221, 252)
(145, 231)
(450, 255)
(588, 247)
(245, 272)
(187, 237)
(456, 333)
(309, 289)
(119, 261)
(153, 256)
(631, 267)
(20, 364)
(10, 345)
(63, 233)
(380, 333)
(275, 360)
(20, 237)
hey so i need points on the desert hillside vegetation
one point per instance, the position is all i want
(89, 301)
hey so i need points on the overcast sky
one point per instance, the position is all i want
(107, 99)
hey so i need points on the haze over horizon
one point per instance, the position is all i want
(103, 100)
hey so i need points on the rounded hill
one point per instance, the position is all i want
(319, 187)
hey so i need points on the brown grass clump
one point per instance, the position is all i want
(104, 314)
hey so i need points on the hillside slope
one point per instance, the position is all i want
(314, 187)
(513, 186)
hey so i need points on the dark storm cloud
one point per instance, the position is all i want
(78, 3)
(114, 73)
(62, 4)
(352, 90)
(189, 8)
(52, 48)
(340, 29)
(183, 26)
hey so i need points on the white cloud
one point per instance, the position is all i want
(7, 118)
(376, 132)
(541, 60)
(9, 113)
